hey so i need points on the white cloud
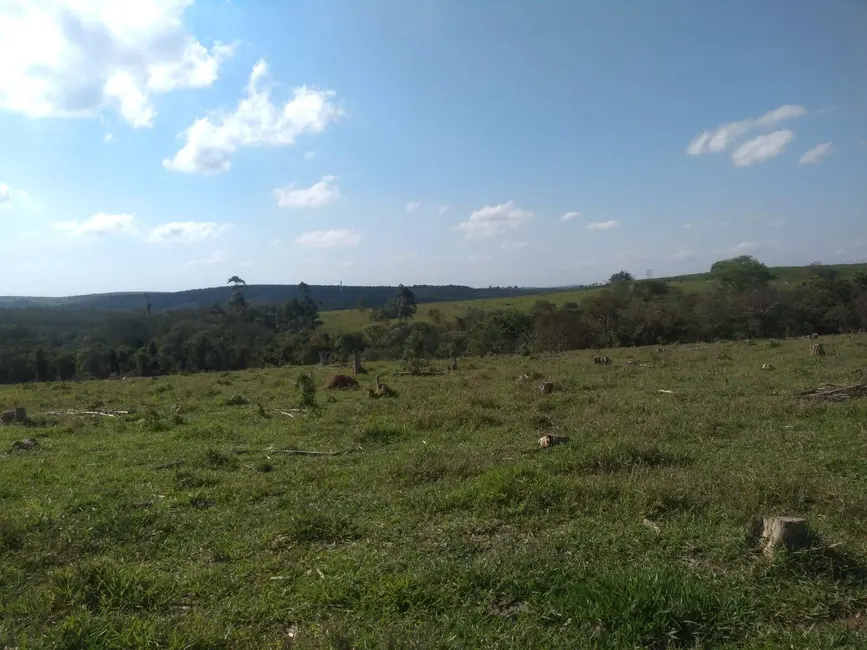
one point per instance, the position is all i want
(687, 225)
(761, 148)
(441, 210)
(217, 258)
(310, 155)
(569, 216)
(100, 224)
(603, 225)
(274, 242)
(514, 245)
(494, 219)
(75, 58)
(10, 197)
(320, 193)
(187, 231)
(329, 238)
(744, 247)
(108, 137)
(817, 154)
(718, 139)
(255, 122)
(412, 206)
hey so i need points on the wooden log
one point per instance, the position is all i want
(783, 532)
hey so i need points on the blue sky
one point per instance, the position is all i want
(168, 144)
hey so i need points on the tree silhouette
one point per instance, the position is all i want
(235, 280)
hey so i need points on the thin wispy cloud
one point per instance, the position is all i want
(817, 154)
(100, 223)
(187, 231)
(718, 139)
(412, 206)
(603, 225)
(336, 238)
(569, 216)
(762, 148)
(216, 258)
(321, 193)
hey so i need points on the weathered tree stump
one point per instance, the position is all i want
(356, 364)
(783, 532)
(817, 350)
(546, 387)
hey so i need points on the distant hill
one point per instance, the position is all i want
(333, 297)
(330, 297)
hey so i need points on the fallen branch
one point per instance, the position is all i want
(304, 452)
(833, 392)
(106, 413)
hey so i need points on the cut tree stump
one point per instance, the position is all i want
(551, 441)
(788, 532)
(817, 350)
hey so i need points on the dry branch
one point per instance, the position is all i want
(109, 413)
(304, 452)
(834, 393)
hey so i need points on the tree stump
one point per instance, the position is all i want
(20, 414)
(546, 387)
(788, 532)
(551, 440)
(356, 364)
(817, 350)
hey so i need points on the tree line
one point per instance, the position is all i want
(741, 299)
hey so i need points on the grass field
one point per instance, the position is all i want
(351, 320)
(446, 526)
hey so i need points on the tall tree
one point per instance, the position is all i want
(741, 273)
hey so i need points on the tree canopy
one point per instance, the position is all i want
(740, 273)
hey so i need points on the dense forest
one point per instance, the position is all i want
(327, 297)
(742, 300)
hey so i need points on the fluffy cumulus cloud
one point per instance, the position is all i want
(186, 231)
(323, 192)
(75, 58)
(718, 139)
(569, 216)
(761, 148)
(494, 220)
(211, 141)
(817, 154)
(100, 224)
(329, 238)
(603, 225)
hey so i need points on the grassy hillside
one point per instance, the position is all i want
(444, 525)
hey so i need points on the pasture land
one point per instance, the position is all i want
(351, 320)
(180, 525)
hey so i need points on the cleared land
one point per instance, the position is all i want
(181, 525)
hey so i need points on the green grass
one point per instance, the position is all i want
(350, 320)
(444, 525)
